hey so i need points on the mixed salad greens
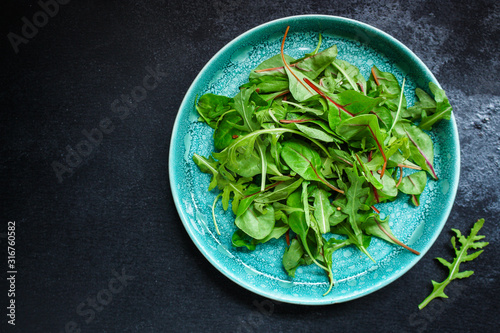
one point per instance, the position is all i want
(307, 148)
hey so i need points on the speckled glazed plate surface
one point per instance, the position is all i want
(261, 271)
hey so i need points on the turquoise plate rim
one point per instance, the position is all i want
(174, 153)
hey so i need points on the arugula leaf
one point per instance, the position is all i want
(426, 104)
(240, 239)
(322, 210)
(207, 165)
(364, 126)
(362, 243)
(227, 130)
(337, 215)
(316, 50)
(305, 109)
(297, 218)
(246, 109)
(247, 199)
(268, 84)
(461, 256)
(210, 107)
(328, 248)
(236, 188)
(346, 71)
(442, 111)
(304, 161)
(355, 195)
(398, 112)
(292, 258)
(386, 86)
(280, 192)
(313, 127)
(422, 149)
(255, 224)
(299, 221)
(316, 133)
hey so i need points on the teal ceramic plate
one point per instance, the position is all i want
(260, 271)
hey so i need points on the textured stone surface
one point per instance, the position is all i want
(116, 211)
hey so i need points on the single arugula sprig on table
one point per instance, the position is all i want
(307, 148)
(461, 256)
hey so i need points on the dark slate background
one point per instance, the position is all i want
(115, 213)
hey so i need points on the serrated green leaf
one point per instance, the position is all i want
(444, 262)
(462, 275)
(461, 256)
(207, 165)
(479, 245)
(472, 256)
(438, 289)
(322, 210)
(292, 257)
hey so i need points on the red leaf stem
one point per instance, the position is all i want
(291, 121)
(400, 176)
(375, 76)
(265, 189)
(322, 94)
(286, 64)
(378, 145)
(395, 240)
